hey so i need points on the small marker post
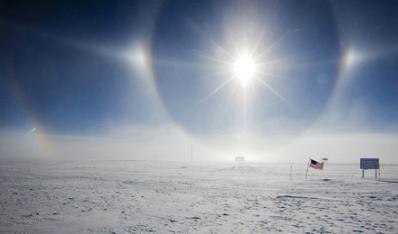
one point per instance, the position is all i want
(191, 152)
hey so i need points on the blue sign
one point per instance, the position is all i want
(369, 163)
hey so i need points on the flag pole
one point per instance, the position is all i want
(306, 173)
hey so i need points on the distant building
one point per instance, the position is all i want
(239, 159)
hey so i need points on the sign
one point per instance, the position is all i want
(369, 163)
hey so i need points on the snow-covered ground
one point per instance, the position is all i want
(191, 197)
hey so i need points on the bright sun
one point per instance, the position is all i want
(244, 68)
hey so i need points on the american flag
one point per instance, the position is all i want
(316, 165)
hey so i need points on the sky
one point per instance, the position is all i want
(164, 80)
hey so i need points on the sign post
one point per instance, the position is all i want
(369, 163)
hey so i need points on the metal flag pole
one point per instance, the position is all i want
(308, 165)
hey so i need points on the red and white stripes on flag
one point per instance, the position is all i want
(316, 165)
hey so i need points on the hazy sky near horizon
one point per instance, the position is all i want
(121, 77)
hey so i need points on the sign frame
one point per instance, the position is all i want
(369, 163)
